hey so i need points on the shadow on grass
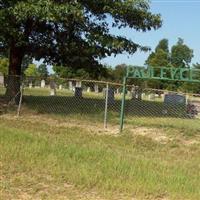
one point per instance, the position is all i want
(66, 105)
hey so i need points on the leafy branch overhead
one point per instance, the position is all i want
(72, 32)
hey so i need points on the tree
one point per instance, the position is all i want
(119, 72)
(97, 73)
(72, 33)
(43, 71)
(181, 54)
(31, 71)
(159, 58)
(163, 45)
(161, 55)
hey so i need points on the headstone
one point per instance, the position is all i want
(96, 88)
(70, 86)
(88, 89)
(1, 79)
(136, 93)
(117, 91)
(52, 88)
(175, 99)
(152, 97)
(42, 83)
(78, 84)
(111, 95)
(143, 95)
(30, 85)
(60, 87)
(78, 92)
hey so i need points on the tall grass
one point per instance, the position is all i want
(129, 166)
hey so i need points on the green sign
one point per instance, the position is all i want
(164, 73)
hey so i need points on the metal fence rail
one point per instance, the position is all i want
(100, 102)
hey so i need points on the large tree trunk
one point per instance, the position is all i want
(14, 74)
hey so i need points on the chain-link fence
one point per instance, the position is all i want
(98, 102)
(161, 108)
(80, 100)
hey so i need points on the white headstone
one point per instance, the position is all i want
(42, 83)
(78, 84)
(70, 85)
(96, 88)
(88, 89)
(52, 92)
(30, 85)
(152, 97)
(60, 87)
(143, 95)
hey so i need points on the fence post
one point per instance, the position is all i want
(20, 100)
(123, 105)
(106, 107)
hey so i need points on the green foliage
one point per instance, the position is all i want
(31, 71)
(71, 33)
(43, 71)
(163, 45)
(4, 63)
(181, 54)
(160, 58)
(194, 87)
(88, 72)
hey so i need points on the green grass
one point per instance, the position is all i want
(37, 159)
(59, 141)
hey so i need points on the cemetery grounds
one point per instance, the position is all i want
(58, 147)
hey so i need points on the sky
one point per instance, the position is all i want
(181, 19)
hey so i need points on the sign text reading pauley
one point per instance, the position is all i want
(164, 73)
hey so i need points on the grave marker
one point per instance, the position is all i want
(96, 88)
(175, 99)
(78, 92)
(42, 83)
(70, 86)
(52, 88)
(88, 89)
(30, 85)
(78, 84)
(111, 95)
(60, 87)
(152, 97)
(136, 93)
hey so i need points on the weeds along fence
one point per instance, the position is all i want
(98, 102)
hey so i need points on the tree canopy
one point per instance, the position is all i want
(43, 71)
(31, 71)
(71, 32)
(181, 54)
